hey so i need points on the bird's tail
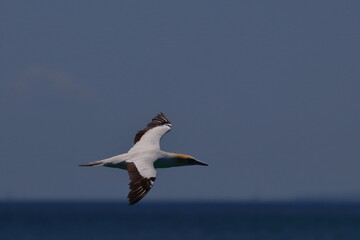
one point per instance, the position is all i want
(108, 161)
(91, 164)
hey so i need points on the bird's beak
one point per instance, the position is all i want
(197, 162)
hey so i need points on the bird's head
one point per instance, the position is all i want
(186, 160)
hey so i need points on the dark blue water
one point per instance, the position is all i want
(255, 221)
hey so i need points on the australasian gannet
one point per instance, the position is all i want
(142, 159)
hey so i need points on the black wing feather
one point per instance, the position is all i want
(158, 120)
(139, 185)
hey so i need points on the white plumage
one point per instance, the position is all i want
(142, 159)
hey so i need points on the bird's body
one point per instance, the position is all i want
(142, 159)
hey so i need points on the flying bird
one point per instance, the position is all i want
(145, 156)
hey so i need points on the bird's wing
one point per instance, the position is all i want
(142, 176)
(151, 135)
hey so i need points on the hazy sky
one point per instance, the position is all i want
(266, 92)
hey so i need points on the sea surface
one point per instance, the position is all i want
(188, 220)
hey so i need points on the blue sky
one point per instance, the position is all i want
(266, 92)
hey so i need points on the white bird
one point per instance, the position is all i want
(142, 159)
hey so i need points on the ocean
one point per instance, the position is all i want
(187, 220)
